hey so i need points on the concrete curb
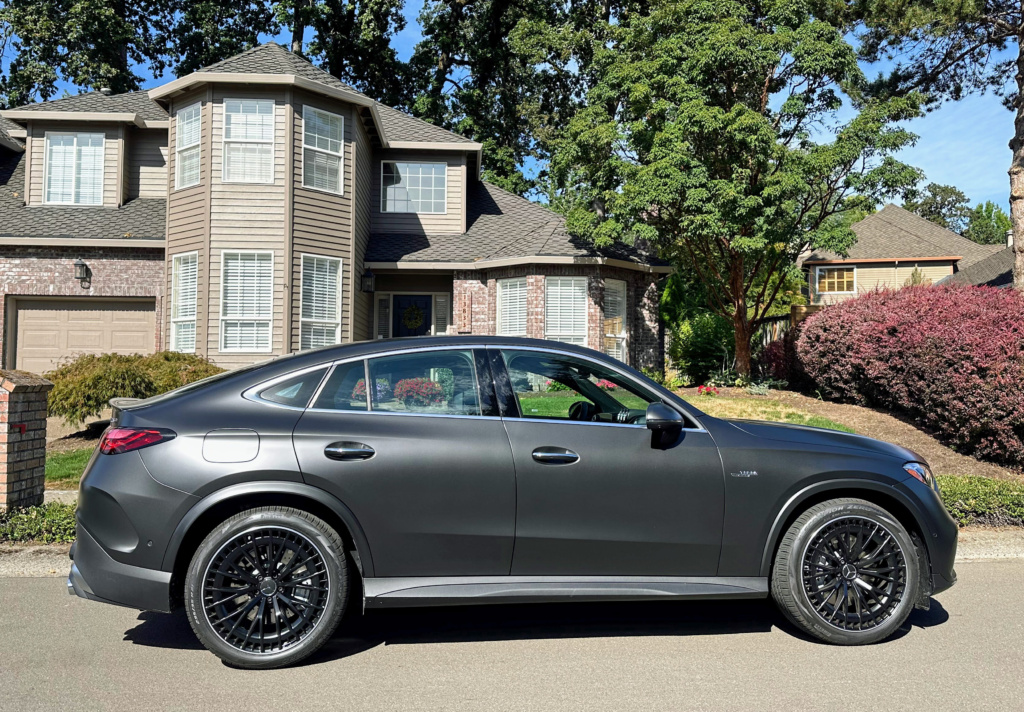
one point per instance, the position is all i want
(41, 560)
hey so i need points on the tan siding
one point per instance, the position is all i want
(37, 157)
(449, 223)
(362, 303)
(245, 216)
(188, 220)
(881, 275)
(147, 163)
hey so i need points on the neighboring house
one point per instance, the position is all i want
(993, 271)
(891, 244)
(260, 206)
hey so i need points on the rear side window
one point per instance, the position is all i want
(294, 391)
(441, 382)
(345, 388)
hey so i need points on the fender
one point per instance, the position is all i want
(271, 487)
(794, 503)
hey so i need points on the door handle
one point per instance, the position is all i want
(555, 456)
(346, 451)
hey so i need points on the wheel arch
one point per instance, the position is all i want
(886, 496)
(213, 509)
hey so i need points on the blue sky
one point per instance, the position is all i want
(961, 143)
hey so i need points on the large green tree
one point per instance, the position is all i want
(707, 136)
(950, 49)
(988, 224)
(942, 204)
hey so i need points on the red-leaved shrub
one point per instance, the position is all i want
(951, 358)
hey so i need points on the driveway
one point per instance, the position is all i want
(967, 652)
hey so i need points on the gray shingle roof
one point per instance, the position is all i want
(993, 271)
(895, 233)
(6, 140)
(142, 218)
(500, 225)
(136, 102)
(272, 58)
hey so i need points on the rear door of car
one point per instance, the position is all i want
(597, 497)
(421, 458)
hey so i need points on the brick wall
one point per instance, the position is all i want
(50, 272)
(22, 438)
(474, 297)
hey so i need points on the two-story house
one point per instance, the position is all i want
(260, 206)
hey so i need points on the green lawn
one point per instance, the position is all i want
(764, 409)
(64, 469)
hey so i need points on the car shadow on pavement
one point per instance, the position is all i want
(460, 624)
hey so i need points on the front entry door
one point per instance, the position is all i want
(412, 315)
(594, 498)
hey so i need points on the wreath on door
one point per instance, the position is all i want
(412, 317)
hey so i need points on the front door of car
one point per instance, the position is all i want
(594, 496)
(421, 458)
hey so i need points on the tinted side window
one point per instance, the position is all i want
(345, 388)
(295, 391)
(439, 382)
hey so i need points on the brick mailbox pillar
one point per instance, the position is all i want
(22, 438)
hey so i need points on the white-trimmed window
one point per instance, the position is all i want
(565, 309)
(413, 187)
(184, 288)
(320, 312)
(512, 307)
(248, 141)
(74, 169)
(186, 146)
(837, 280)
(615, 318)
(246, 301)
(322, 145)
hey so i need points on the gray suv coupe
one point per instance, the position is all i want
(451, 470)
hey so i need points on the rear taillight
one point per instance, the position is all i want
(118, 440)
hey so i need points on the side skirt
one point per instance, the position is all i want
(471, 590)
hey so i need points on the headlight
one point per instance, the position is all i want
(920, 472)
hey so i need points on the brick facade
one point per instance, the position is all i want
(50, 272)
(475, 303)
(22, 438)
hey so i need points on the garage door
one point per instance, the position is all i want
(49, 330)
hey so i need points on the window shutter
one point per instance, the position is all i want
(512, 307)
(441, 310)
(383, 316)
(247, 301)
(565, 309)
(320, 311)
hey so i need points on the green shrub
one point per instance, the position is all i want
(980, 500)
(52, 523)
(702, 345)
(82, 388)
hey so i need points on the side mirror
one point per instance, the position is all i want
(662, 418)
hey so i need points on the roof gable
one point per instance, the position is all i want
(994, 271)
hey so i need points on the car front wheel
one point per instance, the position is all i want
(267, 587)
(847, 572)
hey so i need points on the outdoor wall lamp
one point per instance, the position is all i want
(368, 282)
(82, 273)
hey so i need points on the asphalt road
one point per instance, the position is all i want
(967, 652)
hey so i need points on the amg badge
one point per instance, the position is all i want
(745, 473)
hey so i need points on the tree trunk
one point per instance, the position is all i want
(1017, 175)
(298, 26)
(743, 358)
(740, 322)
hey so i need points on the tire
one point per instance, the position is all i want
(280, 616)
(847, 572)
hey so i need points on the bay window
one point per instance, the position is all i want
(565, 310)
(248, 141)
(184, 288)
(322, 145)
(247, 301)
(320, 311)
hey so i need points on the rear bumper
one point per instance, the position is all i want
(97, 577)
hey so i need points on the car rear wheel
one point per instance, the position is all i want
(267, 587)
(847, 572)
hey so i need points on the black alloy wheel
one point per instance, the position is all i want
(267, 587)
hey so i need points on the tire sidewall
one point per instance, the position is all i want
(794, 572)
(334, 559)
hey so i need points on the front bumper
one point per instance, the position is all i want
(97, 577)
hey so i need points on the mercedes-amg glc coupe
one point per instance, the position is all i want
(450, 470)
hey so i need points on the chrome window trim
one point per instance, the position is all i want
(252, 393)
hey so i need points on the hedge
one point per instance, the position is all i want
(950, 358)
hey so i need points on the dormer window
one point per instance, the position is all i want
(74, 169)
(248, 141)
(186, 138)
(322, 145)
(413, 187)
